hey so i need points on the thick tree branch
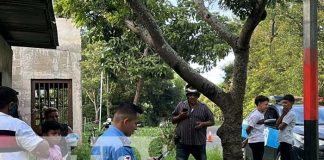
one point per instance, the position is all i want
(251, 23)
(143, 33)
(213, 21)
(140, 83)
(89, 96)
(242, 51)
(170, 56)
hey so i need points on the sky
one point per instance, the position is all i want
(216, 75)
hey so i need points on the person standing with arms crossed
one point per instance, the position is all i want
(192, 118)
(256, 126)
(286, 124)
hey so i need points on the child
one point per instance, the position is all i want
(255, 127)
(51, 131)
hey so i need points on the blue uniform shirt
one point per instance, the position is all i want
(113, 145)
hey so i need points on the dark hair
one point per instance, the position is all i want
(260, 98)
(289, 98)
(50, 125)
(129, 109)
(48, 111)
(7, 95)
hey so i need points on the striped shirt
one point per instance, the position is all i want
(186, 130)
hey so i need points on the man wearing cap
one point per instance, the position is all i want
(286, 124)
(192, 118)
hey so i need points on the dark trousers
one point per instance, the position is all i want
(285, 150)
(257, 150)
(197, 151)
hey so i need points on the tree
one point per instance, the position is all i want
(141, 22)
(107, 23)
(90, 66)
(276, 61)
(231, 102)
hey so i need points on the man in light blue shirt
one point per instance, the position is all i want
(114, 143)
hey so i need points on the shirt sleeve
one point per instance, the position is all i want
(125, 153)
(176, 111)
(27, 138)
(253, 120)
(210, 115)
(96, 153)
(288, 118)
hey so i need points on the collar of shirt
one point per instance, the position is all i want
(199, 104)
(116, 131)
(260, 112)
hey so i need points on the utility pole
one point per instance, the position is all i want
(310, 80)
(101, 85)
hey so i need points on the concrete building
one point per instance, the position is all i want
(30, 61)
(50, 78)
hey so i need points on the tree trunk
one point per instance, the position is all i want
(139, 87)
(97, 116)
(230, 134)
(96, 112)
(233, 109)
(140, 83)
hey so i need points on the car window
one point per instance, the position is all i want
(299, 113)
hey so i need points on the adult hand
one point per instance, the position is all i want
(199, 125)
(183, 115)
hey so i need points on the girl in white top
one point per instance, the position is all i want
(256, 126)
(286, 124)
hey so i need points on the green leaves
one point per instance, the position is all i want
(241, 8)
(280, 71)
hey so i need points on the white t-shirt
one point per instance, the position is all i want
(286, 135)
(25, 137)
(256, 134)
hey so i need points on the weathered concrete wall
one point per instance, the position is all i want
(5, 62)
(62, 63)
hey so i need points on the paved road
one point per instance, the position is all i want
(216, 141)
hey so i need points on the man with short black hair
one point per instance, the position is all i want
(192, 118)
(256, 126)
(17, 138)
(114, 143)
(286, 124)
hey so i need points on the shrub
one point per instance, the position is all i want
(137, 153)
(83, 151)
(155, 147)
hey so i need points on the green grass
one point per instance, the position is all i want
(143, 136)
(212, 154)
(147, 132)
(140, 140)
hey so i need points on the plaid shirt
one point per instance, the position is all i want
(186, 130)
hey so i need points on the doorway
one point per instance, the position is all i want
(55, 93)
